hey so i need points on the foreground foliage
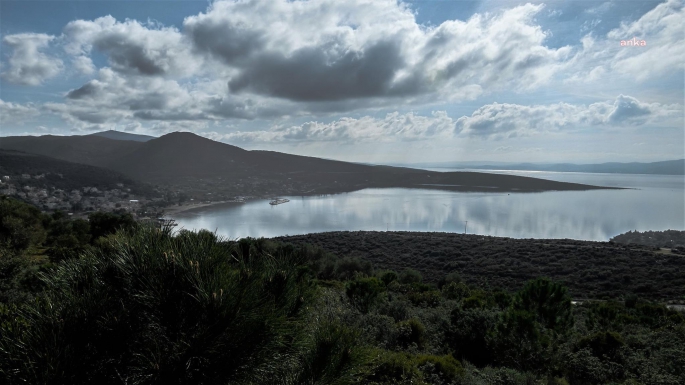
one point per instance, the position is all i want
(144, 305)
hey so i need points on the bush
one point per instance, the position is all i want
(103, 224)
(456, 291)
(430, 298)
(452, 277)
(333, 353)
(394, 368)
(444, 369)
(411, 332)
(519, 342)
(408, 276)
(548, 301)
(21, 224)
(363, 292)
(602, 344)
(467, 336)
(349, 268)
(388, 276)
(158, 309)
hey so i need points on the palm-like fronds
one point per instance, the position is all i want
(156, 308)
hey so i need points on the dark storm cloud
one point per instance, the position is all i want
(307, 75)
(87, 90)
(131, 47)
(126, 55)
(225, 41)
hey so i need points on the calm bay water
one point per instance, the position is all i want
(655, 202)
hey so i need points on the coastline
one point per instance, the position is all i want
(175, 210)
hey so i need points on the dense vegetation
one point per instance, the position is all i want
(599, 270)
(138, 304)
(670, 238)
(32, 242)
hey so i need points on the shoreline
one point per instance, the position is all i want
(175, 210)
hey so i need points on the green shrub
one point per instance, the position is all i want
(548, 301)
(388, 276)
(446, 368)
(456, 291)
(158, 309)
(602, 344)
(364, 292)
(467, 336)
(452, 277)
(518, 341)
(103, 224)
(349, 268)
(392, 368)
(427, 298)
(21, 224)
(408, 276)
(333, 354)
(411, 332)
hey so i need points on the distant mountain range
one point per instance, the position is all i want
(202, 167)
(668, 167)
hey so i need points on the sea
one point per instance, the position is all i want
(649, 202)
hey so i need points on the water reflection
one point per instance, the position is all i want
(657, 203)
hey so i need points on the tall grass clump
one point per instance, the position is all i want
(153, 308)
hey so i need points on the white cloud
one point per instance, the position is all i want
(16, 113)
(27, 65)
(513, 120)
(394, 127)
(132, 47)
(83, 64)
(662, 28)
(489, 121)
(115, 98)
(326, 50)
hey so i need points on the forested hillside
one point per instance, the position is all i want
(669, 238)
(49, 172)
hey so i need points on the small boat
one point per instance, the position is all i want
(278, 201)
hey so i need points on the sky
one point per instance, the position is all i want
(377, 81)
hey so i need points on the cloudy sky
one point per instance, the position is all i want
(361, 80)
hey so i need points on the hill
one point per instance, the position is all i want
(61, 174)
(200, 167)
(119, 135)
(84, 149)
(55, 184)
(185, 158)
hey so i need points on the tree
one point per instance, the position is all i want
(364, 292)
(549, 301)
(21, 224)
(103, 224)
